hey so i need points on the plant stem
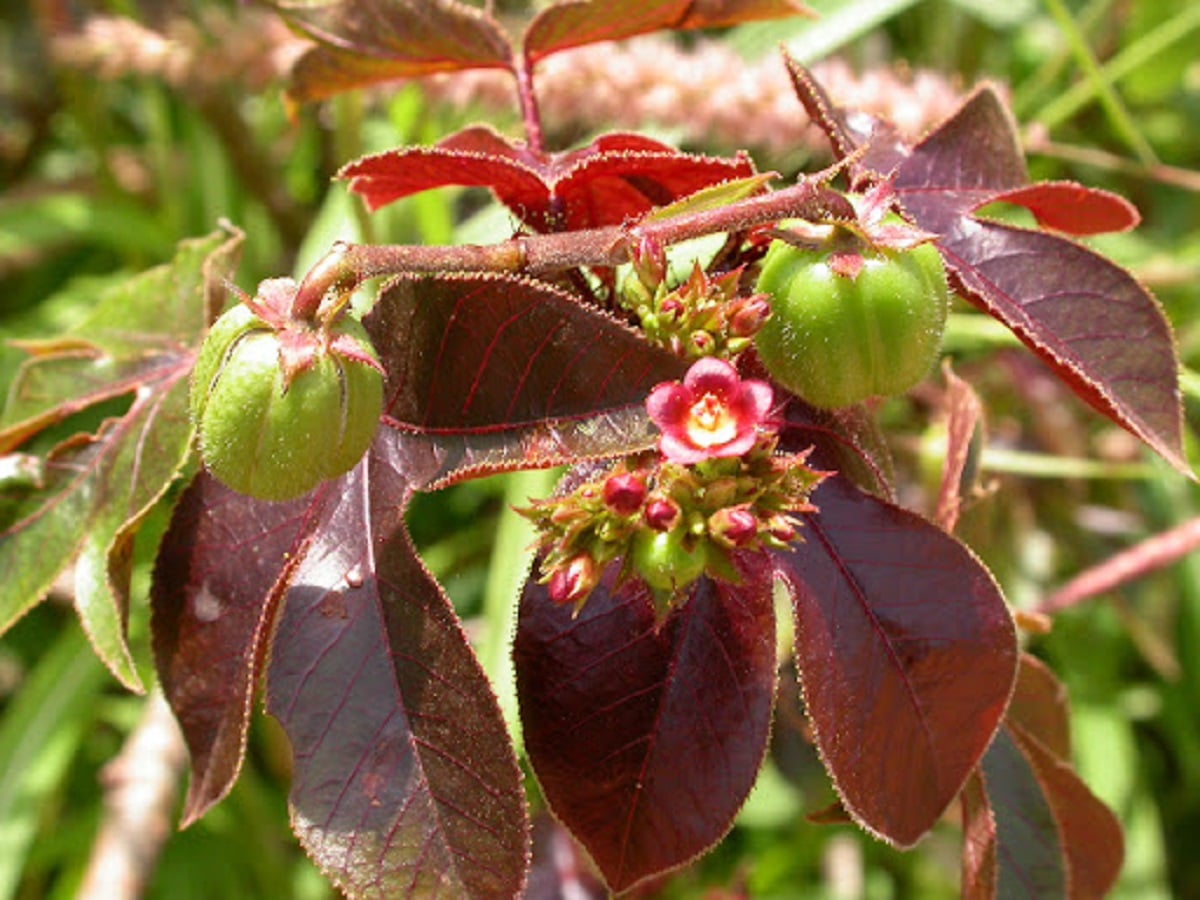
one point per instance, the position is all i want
(347, 265)
(530, 115)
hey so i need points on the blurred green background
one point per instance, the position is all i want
(128, 126)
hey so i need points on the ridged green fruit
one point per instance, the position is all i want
(272, 438)
(834, 339)
(664, 559)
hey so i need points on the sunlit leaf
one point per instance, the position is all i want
(94, 490)
(612, 179)
(363, 42)
(578, 22)
(405, 783)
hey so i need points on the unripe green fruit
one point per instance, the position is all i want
(664, 560)
(835, 340)
(271, 439)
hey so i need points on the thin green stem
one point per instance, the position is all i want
(1119, 116)
(1142, 52)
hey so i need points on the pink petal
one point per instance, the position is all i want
(710, 375)
(669, 405)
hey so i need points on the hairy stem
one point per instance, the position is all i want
(348, 265)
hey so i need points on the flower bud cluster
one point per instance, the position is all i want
(709, 509)
(703, 316)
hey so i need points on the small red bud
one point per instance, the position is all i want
(671, 307)
(650, 262)
(662, 514)
(782, 529)
(703, 343)
(747, 315)
(733, 526)
(624, 493)
(573, 580)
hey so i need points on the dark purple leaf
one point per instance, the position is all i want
(217, 580)
(1052, 836)
(1089, 319)
(613, 179)
(405, 783)
(1028, 853)
(907, 656)
(499, 372)
(646, 737)
(363, 42)
(578, 22)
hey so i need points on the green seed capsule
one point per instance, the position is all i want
(835, 340)
(272, 438)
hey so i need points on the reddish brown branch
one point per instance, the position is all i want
(348, 265)
(1150, 555)
(140, 793)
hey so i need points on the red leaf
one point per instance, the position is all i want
(979, 869)
(613, 179)
(217, 581)
(405, 781)
(1102, 333)
(907, 656)
(362, 42)
(499, 372)
(1039, 706)
(964, 412)
(646, 738)
(578, 22)
(1072, 208)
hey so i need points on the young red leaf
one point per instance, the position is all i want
(645, 736)
(907, 656)
(1087, 318)
(500, 372)
(979, 869)
(219, 574)
(1090, 836)
(578, 22)
(613, 179)
(405, 781)
(963, 411)
(1072, 208)
(1039, 706)
(363, 42)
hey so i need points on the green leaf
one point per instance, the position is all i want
(95, 489)
(39, 736)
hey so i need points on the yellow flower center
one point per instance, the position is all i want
(711, 423)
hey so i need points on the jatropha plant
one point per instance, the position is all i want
(715, 428)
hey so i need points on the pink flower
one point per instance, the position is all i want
(711, 414)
